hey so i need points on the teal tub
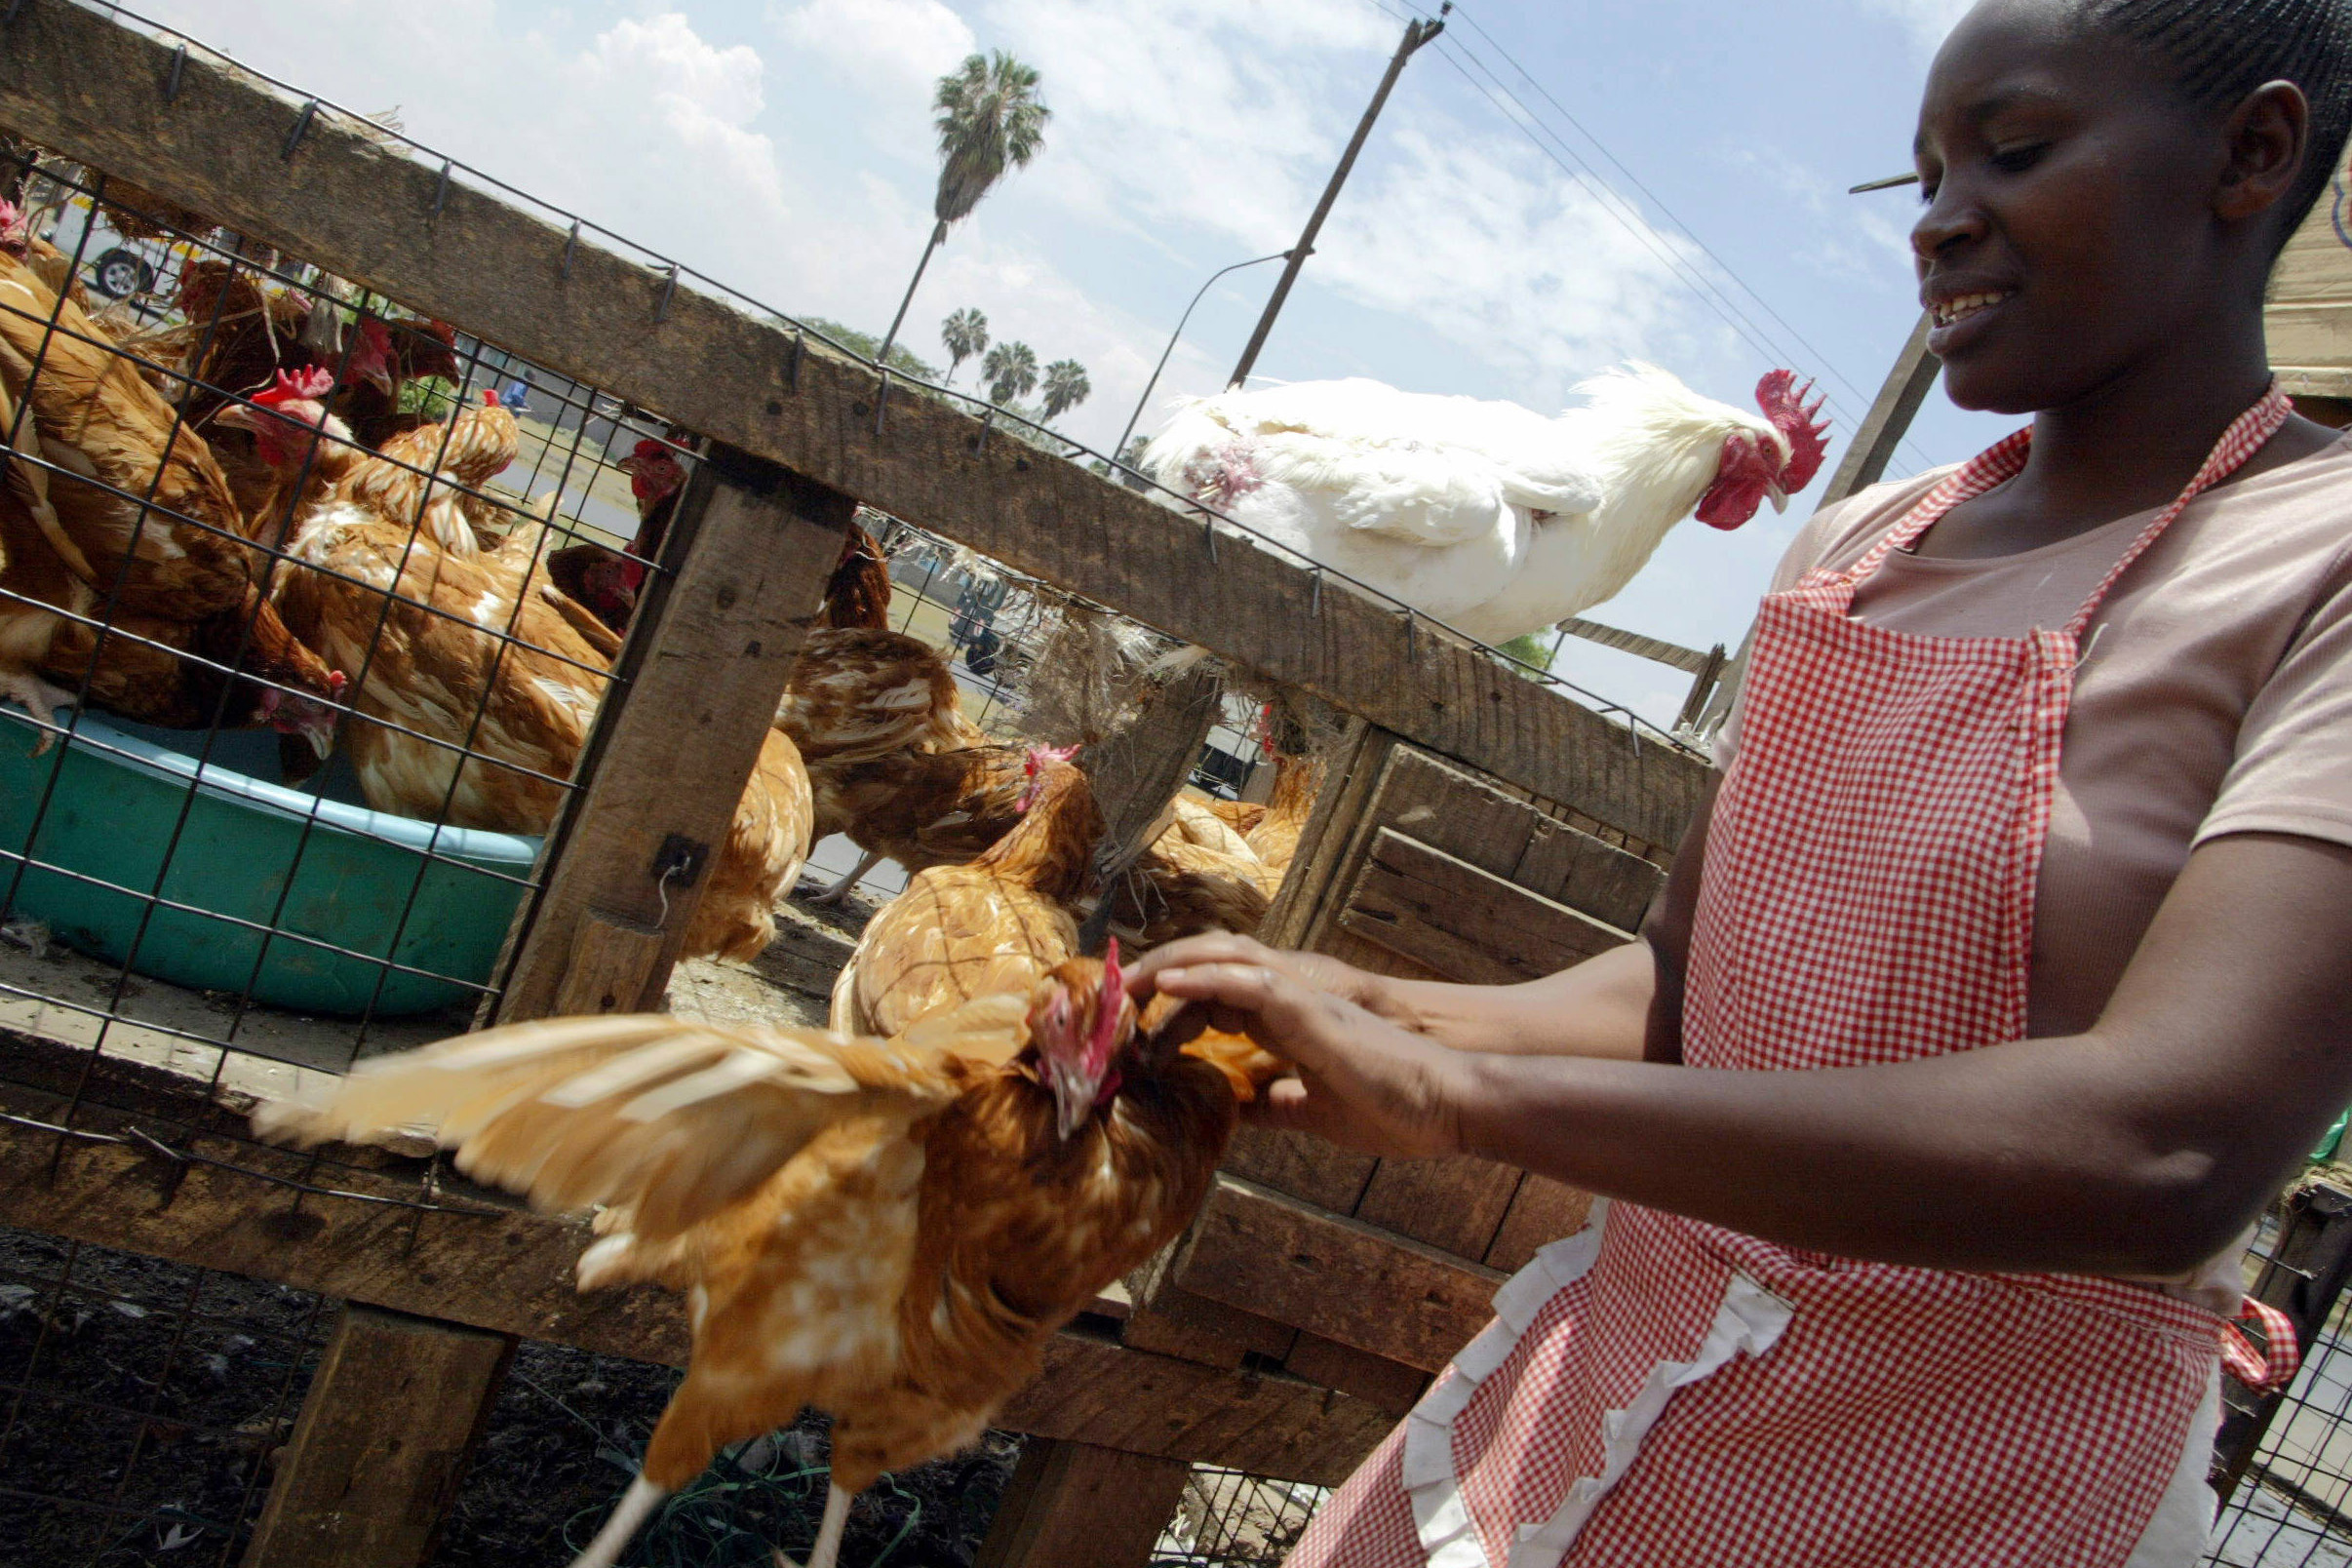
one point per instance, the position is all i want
(110, 822)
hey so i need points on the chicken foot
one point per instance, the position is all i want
(629, 1515)
(838, 893)
(37, 698)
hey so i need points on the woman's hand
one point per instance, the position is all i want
(1361, 1080)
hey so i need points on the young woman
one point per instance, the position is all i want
(2032, 852)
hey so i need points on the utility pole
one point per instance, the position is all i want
(1417, 34)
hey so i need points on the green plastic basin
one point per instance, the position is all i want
(110, 823)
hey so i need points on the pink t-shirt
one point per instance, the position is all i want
(2215, 694)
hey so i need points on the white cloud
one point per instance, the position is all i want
(893, 48)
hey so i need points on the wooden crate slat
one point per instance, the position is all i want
(1468, 924)
(1334, 1276)
(1541, 1211)
(511, 1273)
(91, 88)
(1455, 1203)
(1572, 867)
(1074, 1505)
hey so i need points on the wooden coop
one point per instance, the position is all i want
(2310, 312)
(1475, 824)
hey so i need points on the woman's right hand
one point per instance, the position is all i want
(1313, 970)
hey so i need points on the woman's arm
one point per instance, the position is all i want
(2140, 1147)
(1622, 1004)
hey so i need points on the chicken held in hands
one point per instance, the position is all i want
(890, 1231)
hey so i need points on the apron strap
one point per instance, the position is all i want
(2272, 1362)
(2005, 459)
(2246, 435)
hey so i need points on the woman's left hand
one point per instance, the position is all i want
(1361, 1080)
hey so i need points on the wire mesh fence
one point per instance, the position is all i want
(306, 624)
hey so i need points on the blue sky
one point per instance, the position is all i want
(784, 145)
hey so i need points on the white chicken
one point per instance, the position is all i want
(1488, 516)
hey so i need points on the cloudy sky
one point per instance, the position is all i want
(1557, 184)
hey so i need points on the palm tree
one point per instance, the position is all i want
(990, 119)
(1066, 387)
(965, 333)
(1010, 370)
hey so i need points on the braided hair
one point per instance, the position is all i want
(2225, 49)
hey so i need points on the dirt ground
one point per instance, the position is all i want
(147, 1401)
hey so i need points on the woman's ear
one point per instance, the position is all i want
(2269, 135)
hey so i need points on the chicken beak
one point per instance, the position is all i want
(1777, 496)
(1073, 1095)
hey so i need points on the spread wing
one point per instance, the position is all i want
(672, 1118)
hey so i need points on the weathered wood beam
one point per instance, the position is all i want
(1334, 1276)
(392, 1415)
(1467, 923)
(1074, 1505)
(506, 1270)
(696, 693)
(91, 88)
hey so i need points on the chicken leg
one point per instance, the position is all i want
(629, 1515)
(827, 1551)
(838, 893)
(37, 698)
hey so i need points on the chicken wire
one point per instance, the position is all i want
(101, 905)
(2285, 1461)
(143, 1401)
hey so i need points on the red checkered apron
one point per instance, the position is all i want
(1868, 898)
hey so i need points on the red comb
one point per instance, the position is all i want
(490, 397)
(1107, 1010)
(301, 386)
(1808, 433)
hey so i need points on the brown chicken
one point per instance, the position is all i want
(858, 695)
(889, 1231)
(1275, 837)
(175, 578)
(435, 675)
(1204, 875)
(992, 926)
(437, 467)
(923, 809)
(607, 582)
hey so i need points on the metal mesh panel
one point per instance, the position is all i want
(1226, 1519)
(143, 1401)
(178, 868)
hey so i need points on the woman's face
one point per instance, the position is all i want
(2069, 230)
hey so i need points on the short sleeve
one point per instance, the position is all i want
(2293, 772)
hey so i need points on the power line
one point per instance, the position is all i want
(1556, 149)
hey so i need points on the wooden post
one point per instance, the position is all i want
(392, 1414)
(1137, 770)
(1074, 1505)
(696, 690)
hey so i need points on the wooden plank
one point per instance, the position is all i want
(1455, 1204)
(611, 967)
(1572, 867)
(1541, 1212)
(1354, 772)
(1334, 1276)
(1391, 1386)
(1324, 1175)
(1074, 1505)
(89, 88)
(392, 1415)
(510, 1272)
(751, 547)
(1168, 1321)
(1465, 924)
(1883, 428)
